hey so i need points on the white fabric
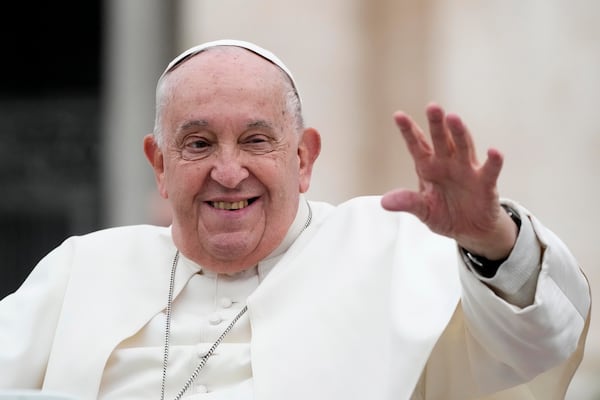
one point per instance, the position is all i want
(201, 312)
(364, 304)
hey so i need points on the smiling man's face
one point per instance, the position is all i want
(232, 164)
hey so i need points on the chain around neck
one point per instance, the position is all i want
(205, 358)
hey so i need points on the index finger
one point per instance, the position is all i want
(415, 140)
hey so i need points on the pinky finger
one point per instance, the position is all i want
(492, 167)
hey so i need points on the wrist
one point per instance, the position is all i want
(487, 267)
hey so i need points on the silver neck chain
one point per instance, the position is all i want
(205, 358)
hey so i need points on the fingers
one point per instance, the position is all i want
(492, 167)
(449, 135)
(440, 138)
(450, 139)
(462, 139)
(414, 138)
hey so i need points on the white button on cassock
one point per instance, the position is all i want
(225, 302)
(201, 389)
(202, 349)
(215, 319)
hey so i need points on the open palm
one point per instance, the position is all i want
(457, 195)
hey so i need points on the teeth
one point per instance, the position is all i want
(226, 205)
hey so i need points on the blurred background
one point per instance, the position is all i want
(77, 96)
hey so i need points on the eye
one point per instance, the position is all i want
(258, 143)
(255, 139)
(197, 144)
(195, 147)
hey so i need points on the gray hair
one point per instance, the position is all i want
(292, 97)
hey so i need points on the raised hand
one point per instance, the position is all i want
(457, 195)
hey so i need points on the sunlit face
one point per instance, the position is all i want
(232, 165)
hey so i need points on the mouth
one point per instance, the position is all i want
(232, 205)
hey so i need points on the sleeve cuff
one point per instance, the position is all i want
(522, 265)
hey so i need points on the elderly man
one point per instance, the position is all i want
(448, 292)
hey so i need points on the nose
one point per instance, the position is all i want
(228, 169)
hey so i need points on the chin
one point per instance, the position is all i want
(230, 269)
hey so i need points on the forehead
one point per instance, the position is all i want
(227, 65)
(223, 85)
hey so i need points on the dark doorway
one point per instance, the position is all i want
(50, 81)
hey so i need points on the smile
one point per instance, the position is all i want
(228, 205)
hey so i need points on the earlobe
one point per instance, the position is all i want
(155, 157)
(309, 149)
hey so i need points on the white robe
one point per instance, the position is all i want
(398, 314)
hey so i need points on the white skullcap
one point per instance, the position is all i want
(264, 53)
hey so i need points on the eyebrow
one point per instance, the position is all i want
(260, 124)
(197, 123)
(202, 123)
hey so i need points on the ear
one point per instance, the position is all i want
(156, 159)
(308, 151)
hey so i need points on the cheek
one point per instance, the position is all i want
(182, 182)
(288, 169)
(276, 175)
(289, 176)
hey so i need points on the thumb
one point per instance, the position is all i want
(404, 200)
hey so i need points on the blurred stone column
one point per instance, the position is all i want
(137, 45)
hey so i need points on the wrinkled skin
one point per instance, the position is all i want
(232, 164)
(457, 195)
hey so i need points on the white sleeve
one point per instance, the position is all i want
(530, 339)
(516, 278)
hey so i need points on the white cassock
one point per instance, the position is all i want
(363, 304)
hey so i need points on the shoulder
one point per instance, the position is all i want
(366, 215)
(363, 203)
(128, 232)
(367, 207)
(117, 240)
